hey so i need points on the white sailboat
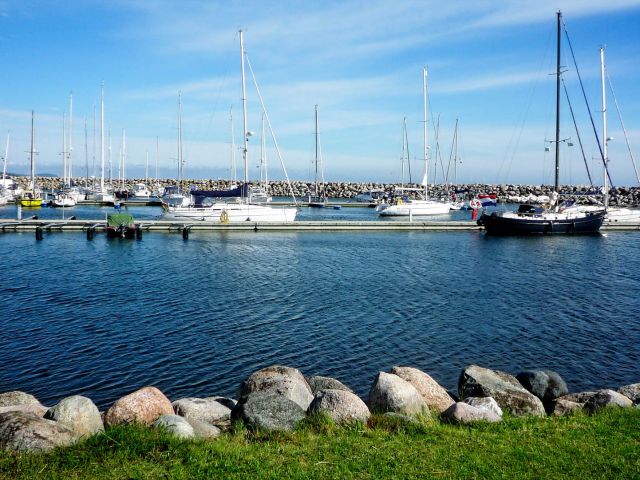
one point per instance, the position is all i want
(413, 201)
(317, 194)
(101, 194)
(62, 199)
(7, 185)
(235, 205)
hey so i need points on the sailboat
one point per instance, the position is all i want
(231, 205)
(101, 194)
(555, 219)
(317, 194)
(62, 199)
(403, 204)
(7, 186)
(32, 197)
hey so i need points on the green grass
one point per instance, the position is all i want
(606, 445)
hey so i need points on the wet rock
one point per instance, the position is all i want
(278, 380)
(9, 399)
(544, 384)
(175, 425)
(342, 406)
(484, 403)
(436, 397)
(143, 406)
(390, 393)
(606, 398)
(205, 410)
(631, 391)
(505, 389)
(26, 432)
(79, 414)
(461, 412)
(268, 411)
(318, 383)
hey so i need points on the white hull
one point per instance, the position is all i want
(622, 215)
(3, 201)
(63, 202)
(101, 197)
(232, 213)
(415, 207)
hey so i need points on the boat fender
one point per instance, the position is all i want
(224, 217)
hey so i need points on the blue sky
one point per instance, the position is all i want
(360, 61)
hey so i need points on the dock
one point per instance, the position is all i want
(79, 225)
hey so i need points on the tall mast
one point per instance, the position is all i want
(245, 133)
(70, 164)
(146, 170)
(124, 156)
(405, 143)
(604, 130)
(263, 156)
(557, 180)
(233, 148)
(109, 147)
(64, 151)
(179, 139)
(425, 176)
(316, 176)
(157, 156)
(5, 158)
(102, 136)
(86, 154)
(33, 151)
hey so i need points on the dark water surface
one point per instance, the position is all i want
(195, 317)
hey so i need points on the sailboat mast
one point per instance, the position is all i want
(110, 155)
(604, 130)
(6, 157)
(317, 138)
(124, 156)
(245, 133)
(146, 170)
(557, 179)
(64, 151)
(33, 147)
(70, 163)
(102, 136)
(233, 148)
(405, 149)
(425, 177)
(179, 139)
(263, 156)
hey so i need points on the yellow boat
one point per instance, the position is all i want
(31, 200)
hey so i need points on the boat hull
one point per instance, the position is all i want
(31, 202)
(121, 231)
(413, 208)
(231, 213)
(496, 224)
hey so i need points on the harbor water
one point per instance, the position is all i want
(195, 317)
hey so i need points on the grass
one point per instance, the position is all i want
(605, 445)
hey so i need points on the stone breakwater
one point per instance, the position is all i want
(277, 398)
(624, 196)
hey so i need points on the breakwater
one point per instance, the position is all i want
(277, 398)
(584, 194)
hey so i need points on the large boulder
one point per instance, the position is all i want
(631, 391)
(390, 393)
(318, 383)
(79, 414)
(436, 397)
(561, 407)
(268, 411)
(544, 384)
(205, 410)
(175, 425)
(278, 380)
(9, 399)
(505, 389)
(342, 406)
(484, 403)
(27, 432)
(461, 412)
(606, 398)
(143, 406)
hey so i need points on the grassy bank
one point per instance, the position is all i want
(606, 445)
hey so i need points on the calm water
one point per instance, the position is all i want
(195, 317)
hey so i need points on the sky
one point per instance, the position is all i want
(490, 69)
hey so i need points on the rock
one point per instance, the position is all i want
(408, 419)
(175, 425)
(142, 406)
(561, 407)
(505, 389)
(79, 414)
(461, 412)
(27, 432)
(436, 397)
(578, 397)
(34, 408)
(206, 410)
(268, 411)
(203, 430)
(9, 399)
(284, 381)
(631, 391)
(390, 393)
(606, 398)
(484, 403)
(544, 384)
(318, 383)
(342, 406)
(230, 403)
